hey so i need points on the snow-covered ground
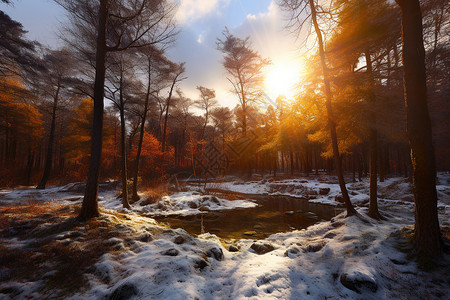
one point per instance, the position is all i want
(345, 258)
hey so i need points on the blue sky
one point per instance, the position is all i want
(201, 22)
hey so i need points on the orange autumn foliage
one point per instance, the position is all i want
(153, 160)
(77, 141)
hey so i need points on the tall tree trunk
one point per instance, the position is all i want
(123, 152)
(426, 232)
(30, 161)
(89, 209)
(331, 118)
(373, 167)
(167, 115)
(49, 156)
(135, 196)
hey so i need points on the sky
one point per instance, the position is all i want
(201, 22)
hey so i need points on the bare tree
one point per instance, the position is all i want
(301, 12)
(207, 102)
(52, 84)
(176, 76)
(119, 89)
(111, 26)
(155, 64)
(427, 234)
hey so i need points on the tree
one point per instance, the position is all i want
(222, 119)
(154, 71)
(244, 66)
(53, 81)
(112, 26)
(21, 128)
(183, 117)
(206, 102)
(427, 234)
(16, 52)
(77, 139)
(119, 91)
(365, 33)
(296, 8)
(176, 75)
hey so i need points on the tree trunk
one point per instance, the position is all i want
(373, 167)
(49, 156)
(426, 232)
(135, 196)
(30, 161)
(89, 208)
(167, 115)
(123, 153)
(331, 118)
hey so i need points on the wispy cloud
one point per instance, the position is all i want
(191, 10)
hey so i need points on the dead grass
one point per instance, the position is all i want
(153, 194)
(56, 246)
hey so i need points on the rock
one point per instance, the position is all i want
(339, 199)
(233, 248)
(215, 252)
(161, 206)
(289, 213)
(336, 224)
(179, 240)
(250, 233)
(292, 252)
(262, 248)
(258, 226)
(145, 237)
(73, 199)
(115, 243)
(200, 264)
(329, 235)
(204, 208)
(215, 200)
(324, 191)
(358, 282)
(170, 252)
(314, 247)
(192, 204)
(125, 291)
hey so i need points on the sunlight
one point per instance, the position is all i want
(282, 77)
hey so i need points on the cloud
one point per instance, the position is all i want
(197, 45)
(191, 10)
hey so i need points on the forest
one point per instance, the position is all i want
(103, 151)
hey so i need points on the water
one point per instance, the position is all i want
(272, 215)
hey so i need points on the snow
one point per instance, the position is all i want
(183, 203)
(320, 262)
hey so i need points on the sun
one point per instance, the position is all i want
(282, 78)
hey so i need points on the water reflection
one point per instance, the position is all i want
(274, 214)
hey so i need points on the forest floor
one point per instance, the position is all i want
(45, 253)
